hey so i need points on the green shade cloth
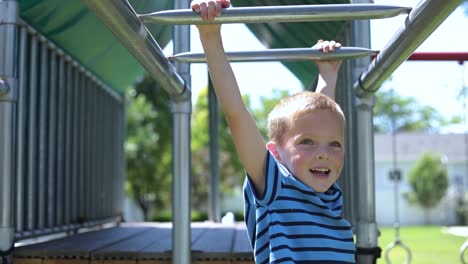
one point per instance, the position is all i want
(73, 28)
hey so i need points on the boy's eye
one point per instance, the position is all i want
(307, 141)
(335, 144)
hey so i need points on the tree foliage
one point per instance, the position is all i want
(267, 104)
(148, 146)
(428, 179)
(231, 169)
(409, 115)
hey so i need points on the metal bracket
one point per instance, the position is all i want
(182, 107)
(365, 103)
(3, 88)
(7, 235)
(8, 89)
(9, 11)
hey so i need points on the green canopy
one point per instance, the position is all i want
(72, 27)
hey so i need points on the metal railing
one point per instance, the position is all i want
(69, 143)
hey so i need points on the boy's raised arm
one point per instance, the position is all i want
(247, 138)
(328, 69)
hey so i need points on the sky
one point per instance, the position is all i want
(432, 83)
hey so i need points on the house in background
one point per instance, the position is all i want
(453, 148)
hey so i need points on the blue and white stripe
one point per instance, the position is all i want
(290, 223)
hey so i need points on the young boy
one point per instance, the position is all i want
(292, 201)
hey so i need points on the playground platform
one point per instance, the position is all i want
(142, 243)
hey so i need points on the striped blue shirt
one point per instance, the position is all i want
(293, 224)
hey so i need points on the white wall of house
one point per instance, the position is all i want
(410, 147)
(409, 214)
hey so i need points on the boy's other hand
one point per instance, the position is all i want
(327, 46)
(326, 66)
(209, 9)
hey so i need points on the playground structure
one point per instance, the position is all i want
(81, 135)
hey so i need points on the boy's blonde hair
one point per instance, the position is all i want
(290, 108)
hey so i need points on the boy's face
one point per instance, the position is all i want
(313, 149)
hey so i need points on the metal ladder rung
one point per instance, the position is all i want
(290, 13)
(279, 55)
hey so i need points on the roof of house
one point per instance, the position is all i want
(72, 27)
(410, 146)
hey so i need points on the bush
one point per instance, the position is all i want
(196, 216)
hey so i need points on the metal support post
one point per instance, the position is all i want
(181, 239)
(367, 234)
(181, 110)
(9, 15)
(367, 250)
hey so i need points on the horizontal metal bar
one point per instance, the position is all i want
(291, 13)
(421, 22)
(439, 56)
(122, 20)
(66, 228)
(280, 55)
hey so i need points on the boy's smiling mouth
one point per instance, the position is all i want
(321, 172)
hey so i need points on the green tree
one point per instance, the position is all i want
(428, 179)
(408, 113)
(266, 105)
(231, 170)
(148, 147)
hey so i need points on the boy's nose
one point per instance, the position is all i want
(322, 153)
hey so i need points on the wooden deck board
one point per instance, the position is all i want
(215, 243)
(162, 250)
(27, 260)
(242, 249)
(80, 245)
(130, 248)
(141, 243)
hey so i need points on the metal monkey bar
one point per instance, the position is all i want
(293, 13)
(279, 55)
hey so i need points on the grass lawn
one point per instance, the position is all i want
(428, 245)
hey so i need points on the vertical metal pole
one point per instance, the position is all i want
(181, 110)
(345, 98)
(8, 97)
(42, 161)
(68, 141)
(92, 154)
(214, 194)
(396, 175)
(20, 133)
(81, 150)
(32, 136)
(74, 144)
(61, 142)
(367, 232)
(122, 109)
(52, 143)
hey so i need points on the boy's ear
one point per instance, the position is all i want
(273, 148)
